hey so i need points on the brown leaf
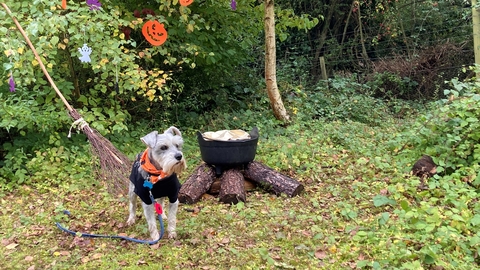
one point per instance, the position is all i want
(5, 242)
(28, 258)
(177, 243)
(97, 256)
(156, 246)
(320, 254)
(225, 240)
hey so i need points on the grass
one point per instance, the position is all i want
(353, 214)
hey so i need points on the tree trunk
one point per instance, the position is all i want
(327, 20)
(197, 184)
(270, 64)
(362, 41)
(270, 178)
(232, 189)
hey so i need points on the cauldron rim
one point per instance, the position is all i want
(253, 136)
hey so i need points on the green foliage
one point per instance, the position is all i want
(387, 85)
(449, 133)
(45, 161)
(342, 99)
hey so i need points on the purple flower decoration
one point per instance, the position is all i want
(233, 4)
(11, 82)
(94, 4)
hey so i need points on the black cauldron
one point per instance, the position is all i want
(227, 154)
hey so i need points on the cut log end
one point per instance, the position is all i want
(232, 189)
(197, 184)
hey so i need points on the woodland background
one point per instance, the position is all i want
(401, 83)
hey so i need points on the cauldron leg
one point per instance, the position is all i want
(218, 170)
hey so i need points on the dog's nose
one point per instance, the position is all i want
(178, 156)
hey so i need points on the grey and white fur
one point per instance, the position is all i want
(165, 153)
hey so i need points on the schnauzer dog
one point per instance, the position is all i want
(159, 164)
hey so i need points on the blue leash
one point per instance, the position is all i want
(158, 209)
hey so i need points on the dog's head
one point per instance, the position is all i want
(165, 150)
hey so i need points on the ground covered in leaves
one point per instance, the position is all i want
(360, 209)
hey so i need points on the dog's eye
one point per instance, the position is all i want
(163, 147)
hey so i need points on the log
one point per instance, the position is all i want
(215, 187)
(232, 189)
(197, 184)
(270, 178)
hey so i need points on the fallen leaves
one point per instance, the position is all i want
(11, 246)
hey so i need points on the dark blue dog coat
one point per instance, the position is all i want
(165, 187)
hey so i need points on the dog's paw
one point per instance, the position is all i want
(172, 235)
(154, 235)
(130, 221)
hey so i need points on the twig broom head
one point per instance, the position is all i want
(114, 165)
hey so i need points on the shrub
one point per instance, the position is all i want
(422, 76)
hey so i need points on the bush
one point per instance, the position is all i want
(450, 133)
(421, 77)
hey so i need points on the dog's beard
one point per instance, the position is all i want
(174, 166)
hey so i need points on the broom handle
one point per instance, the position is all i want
(37, 57)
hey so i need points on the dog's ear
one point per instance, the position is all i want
(174, 131)
(150, 139)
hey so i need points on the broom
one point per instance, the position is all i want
(114, 166)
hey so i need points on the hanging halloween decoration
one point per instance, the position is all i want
(64, 4)
(233, 5)
(85, 51)
(11, 82)
(185, 2)
(154, 32)
(94, 4)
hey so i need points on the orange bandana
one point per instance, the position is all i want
(156, 174)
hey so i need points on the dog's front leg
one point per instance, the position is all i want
(172, 219)
(132, 204)
(150, 215)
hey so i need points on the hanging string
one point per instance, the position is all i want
(117, 90)
(85, 51)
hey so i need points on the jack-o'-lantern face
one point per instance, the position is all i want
(185, 2)
(154, 32)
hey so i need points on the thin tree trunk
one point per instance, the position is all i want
(323, 37)
(270, 64)
(362, 40)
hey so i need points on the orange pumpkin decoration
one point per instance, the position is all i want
(154, 32)
(185, 2)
